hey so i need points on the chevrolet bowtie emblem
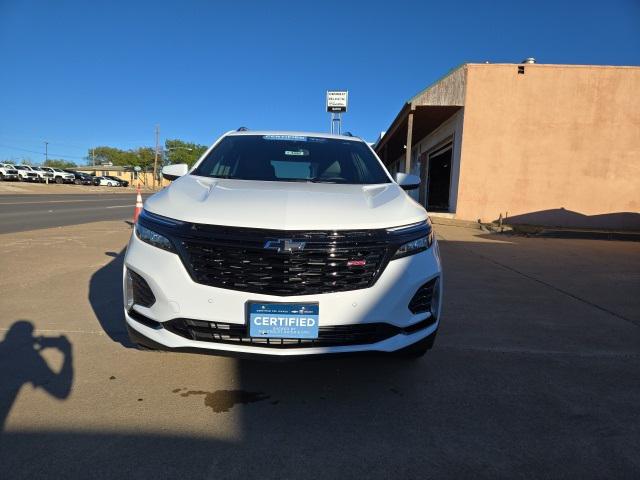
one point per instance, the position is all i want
(284, 245)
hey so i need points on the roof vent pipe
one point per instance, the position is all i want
(529, 60)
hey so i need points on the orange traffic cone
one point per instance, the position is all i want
(138, 209)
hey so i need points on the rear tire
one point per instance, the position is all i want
(59, 180)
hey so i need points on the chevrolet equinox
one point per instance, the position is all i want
(284, 244)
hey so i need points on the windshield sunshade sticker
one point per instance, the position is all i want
(294, 138)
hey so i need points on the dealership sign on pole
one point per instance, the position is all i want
(336, 105)
(337, 101)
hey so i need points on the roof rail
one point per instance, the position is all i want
(242, 129)
(348, 134)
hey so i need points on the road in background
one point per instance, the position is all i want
(20, 213)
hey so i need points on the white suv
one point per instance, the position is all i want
(25, 174)
(284, 244)
(60, 176)
(8, 172)
(44, 175)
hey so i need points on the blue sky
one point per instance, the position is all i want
(87, 73)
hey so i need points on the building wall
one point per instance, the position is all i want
(558, 145)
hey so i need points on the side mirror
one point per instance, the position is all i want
(171, 172)
(407, 181)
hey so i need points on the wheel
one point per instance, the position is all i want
(59, 180)
(1, 176)
(20, 179)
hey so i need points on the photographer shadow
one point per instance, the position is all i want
(21, 363)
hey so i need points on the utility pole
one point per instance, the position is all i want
(155, 162)
(93, 156)
(46, 151)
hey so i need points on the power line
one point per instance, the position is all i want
(42, 153)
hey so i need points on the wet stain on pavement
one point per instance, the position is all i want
(224, 400)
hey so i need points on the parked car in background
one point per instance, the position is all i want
(59, 176)
(8, 172)
(43, 175)
(121, 181)
(106, 182)
(80, 178)
(25, 174)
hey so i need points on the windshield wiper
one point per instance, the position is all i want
(320, 180)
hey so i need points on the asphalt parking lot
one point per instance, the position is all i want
(535, 374)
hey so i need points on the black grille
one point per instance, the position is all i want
(142, 294)
(328, 336)
(421, 301)
(235, 259)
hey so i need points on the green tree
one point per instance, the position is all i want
(175, 151)
(179, 151)
(56, 163)
(139, 157)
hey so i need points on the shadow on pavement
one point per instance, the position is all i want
(105, 296)
(21, 363)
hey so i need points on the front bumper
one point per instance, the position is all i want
(178, 296)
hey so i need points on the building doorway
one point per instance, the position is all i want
(439, 178)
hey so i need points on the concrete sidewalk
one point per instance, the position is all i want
(534, 374)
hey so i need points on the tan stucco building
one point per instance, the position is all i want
(537, 144)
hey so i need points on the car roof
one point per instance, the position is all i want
(288, 133)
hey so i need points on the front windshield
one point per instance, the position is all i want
(288, 158)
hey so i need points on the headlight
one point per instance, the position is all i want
(414, 246)
(422, 238)
(153, 238)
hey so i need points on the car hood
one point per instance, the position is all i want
(285, 205)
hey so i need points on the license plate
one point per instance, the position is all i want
(283, 320)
